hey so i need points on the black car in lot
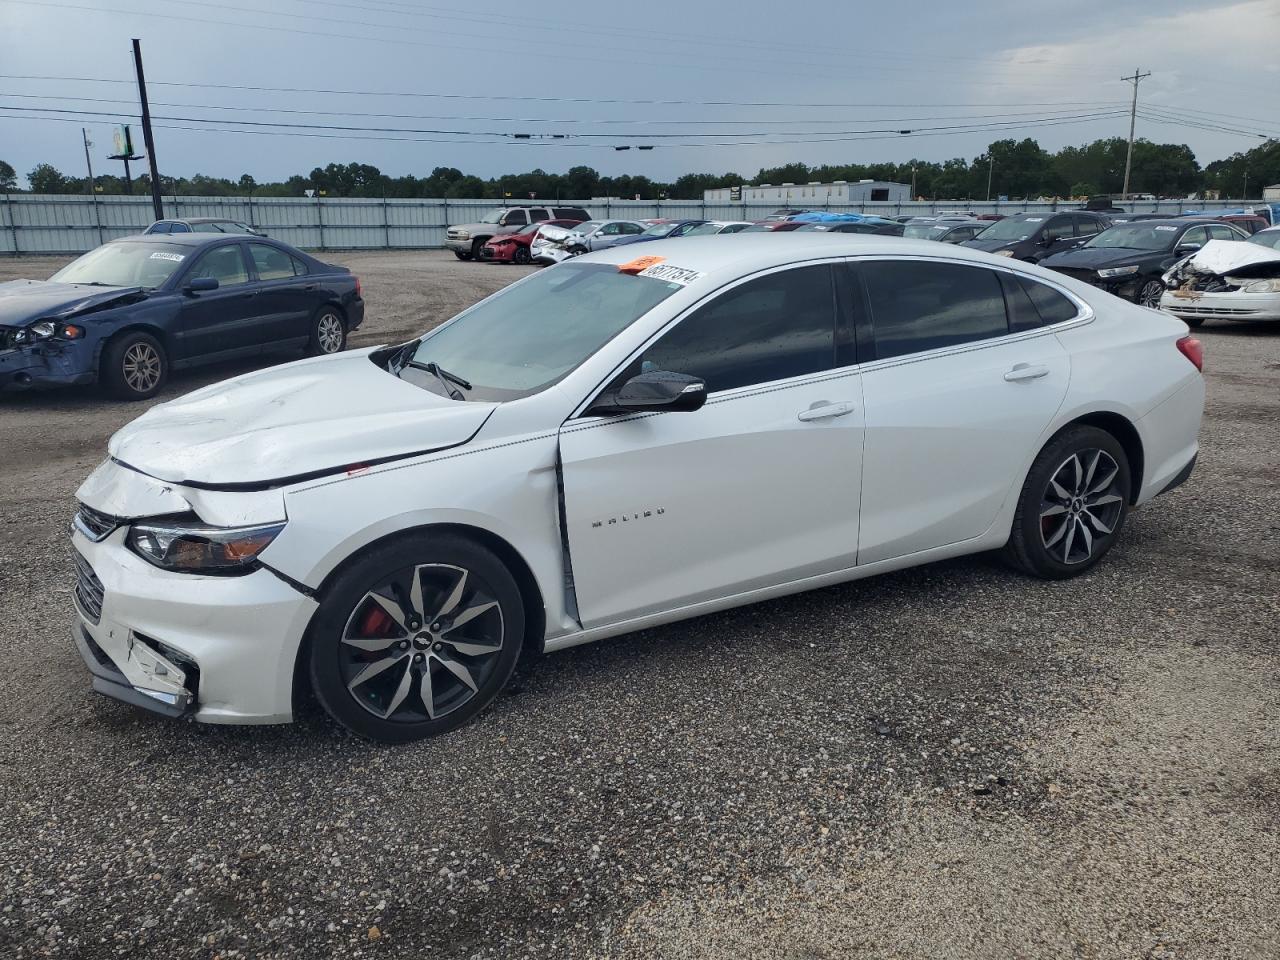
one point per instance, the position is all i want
(204, 225)
(1034, 236)
(886, 229)
(1129, 259)
(127, 313)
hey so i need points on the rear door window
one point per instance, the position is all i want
(1052, 306)
(918, 305)
(1058, 228)
(1222, 232)
(271, 263)
(515, 218)
(225, 264)
(771, 328)
(537, 215)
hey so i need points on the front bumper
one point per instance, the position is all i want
(1223, 306)
(220, 649)
(549, 255)
(46, 365)
(458, 245)
(504, 253)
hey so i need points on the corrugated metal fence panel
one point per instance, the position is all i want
(37, 223)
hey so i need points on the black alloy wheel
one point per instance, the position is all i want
(416, 638)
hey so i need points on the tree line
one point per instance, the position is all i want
(1012, 168)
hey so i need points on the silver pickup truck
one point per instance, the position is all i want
(466, 239)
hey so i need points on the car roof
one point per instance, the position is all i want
(199, 220)
(722, 259)
(1169, 222)
(185, 239)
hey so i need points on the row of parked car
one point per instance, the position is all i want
(1123, 253)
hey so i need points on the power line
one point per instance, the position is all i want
(556, 100)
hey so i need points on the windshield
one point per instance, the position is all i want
(660, 229)
(924, 231)
(1013, 228)
(704, 229)
(531, 228)
(530, 335)
(1137, 236)
(591, 226)
(493, 216)
(1268, 238)
(125, 265)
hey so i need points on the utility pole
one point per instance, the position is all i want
(84, 135)
(991, 168)
(156, 202)
(1137, 78)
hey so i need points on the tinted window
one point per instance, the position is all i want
(922, 306)
(224, 264)
(299, 268)
(515, 218)
(537, 216)
(271, 264)
(1052, 306)
(570, 213)
(179, 228)
(1058, 228)
(1196, 235)
(1023, 314)
(1087, 226)
(774, 327)
(159, 228)
(630, 228)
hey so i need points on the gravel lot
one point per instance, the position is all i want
(951, 761)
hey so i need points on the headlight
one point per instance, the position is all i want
(462, 235)
(194, 547)
(48, 329)
(1117, 271)
(1004, 253)
(43, 329)
(1262, 286)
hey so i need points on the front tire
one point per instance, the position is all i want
(1072, 506)
(521, 256)
(134, 366)
(476, 247)
(328, 333)
(416, 638)
(462, 254)
(1192, 322)
(1149, 294)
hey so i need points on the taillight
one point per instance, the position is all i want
(359, 291)
(1193, 350)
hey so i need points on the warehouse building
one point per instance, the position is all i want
(813, 194)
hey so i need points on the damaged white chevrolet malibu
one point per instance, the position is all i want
(611, 444)
(1227, 280)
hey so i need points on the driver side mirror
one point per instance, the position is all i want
(201, 285)
(654, 390)
(1187, 247)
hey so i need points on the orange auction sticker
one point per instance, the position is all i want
(639, 264)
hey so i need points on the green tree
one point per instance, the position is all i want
(8, 177)
(46, 178)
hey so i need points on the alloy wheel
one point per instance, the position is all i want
(141, 367)
(422, 643)
(1150, 294)
(1081, 505)
(329, 333)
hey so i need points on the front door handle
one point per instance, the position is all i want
(825, 410)
(1026, 371)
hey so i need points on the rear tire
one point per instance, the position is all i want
(328, 333)
(416, 638)
(1072, 506)
(135, 366)
(1192, 322)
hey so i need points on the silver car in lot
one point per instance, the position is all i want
(712, 227)
(555, 244)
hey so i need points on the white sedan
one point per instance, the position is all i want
(620, 442)
(1227, 280)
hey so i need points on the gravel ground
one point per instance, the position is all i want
(951, 761)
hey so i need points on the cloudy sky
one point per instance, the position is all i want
(747, 83)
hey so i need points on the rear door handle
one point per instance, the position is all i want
(1026, 371)
(825, 410)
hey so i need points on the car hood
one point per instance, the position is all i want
(24, 301)
(292, 422)
(1095, 258)
(990, 245)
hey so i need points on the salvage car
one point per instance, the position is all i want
(553, 245)
(514, 247)
(945, 231)
(1227, 280)
(1130, 259)
(1034, 236)
(131, 311)
(613, 444)
(670, 230)
(467, 239)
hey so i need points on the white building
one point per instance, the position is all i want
(812, 194)
(1272, 192)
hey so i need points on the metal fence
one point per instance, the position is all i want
(40, 223)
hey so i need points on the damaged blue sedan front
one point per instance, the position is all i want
(126, 314)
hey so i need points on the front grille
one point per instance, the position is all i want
(454, 234)
(93, 524)
(8, 338)
(1085, 276)
(89, 592)
(1212, 311)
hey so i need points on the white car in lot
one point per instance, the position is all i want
(553, 245)
(621, 442)
(1227, 280)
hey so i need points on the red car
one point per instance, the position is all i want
(514, 247)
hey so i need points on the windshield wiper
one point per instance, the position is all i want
(443, 376)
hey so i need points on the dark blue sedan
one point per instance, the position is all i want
(126, 314)
(662, 231)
